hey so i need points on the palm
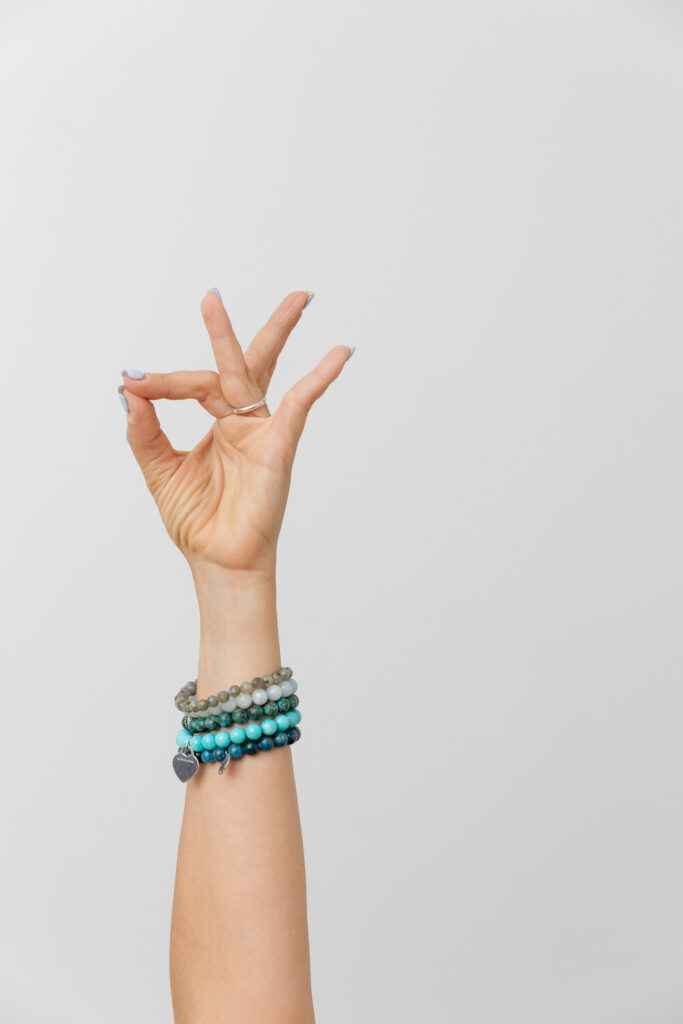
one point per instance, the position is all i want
(226, 501)
(223, 502)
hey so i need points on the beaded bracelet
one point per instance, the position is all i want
(197, 723)
(243, 701)
(253, 731)
(235, 696)
(186, 763)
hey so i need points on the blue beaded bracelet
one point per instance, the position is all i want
(186, 762)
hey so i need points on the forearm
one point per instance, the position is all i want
(239, 940)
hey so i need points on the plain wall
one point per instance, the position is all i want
(480, 569)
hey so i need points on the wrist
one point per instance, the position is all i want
(238, 626)
(220, 588)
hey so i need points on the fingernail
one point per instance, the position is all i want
(214, 291)
(309, 300)
(134, 374)
(350, 353)
(122, 397)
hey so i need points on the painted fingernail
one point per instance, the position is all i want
(134, 374)
(350, 353)
(309, 300)
(214, 291)
(122, 398)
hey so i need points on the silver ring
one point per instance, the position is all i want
(250, 408)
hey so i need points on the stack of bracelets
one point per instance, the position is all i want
(254, 717)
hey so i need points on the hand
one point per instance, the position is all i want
(223, 502)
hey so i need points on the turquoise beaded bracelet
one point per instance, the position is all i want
(252, 731)
(186, 762)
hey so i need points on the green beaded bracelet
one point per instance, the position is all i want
(239, 716)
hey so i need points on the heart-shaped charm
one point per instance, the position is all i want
(185, 764)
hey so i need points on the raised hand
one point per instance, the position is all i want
(223, 502)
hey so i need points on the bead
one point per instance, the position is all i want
(219, 754)
(274, 692)
(235, 751)
(282, 722)
(277, 676)
(259, 697)
(280, 740)
(271, 708)
(206, 756)
(222, 739)
(224, 719)
(268, 680)
(265, 743)
(239, 716)
(244, 701)
(250, 748)
(269, 727)
(255, 713)
(291, 736)
(202, 705)
(286, 688)
(294, 717)
(247, 688)
(230, 704)
(295, 685)
(253, 731)
(187, 722)
(208, 741)
(283, 704)
(237, 735)
(184, 737)
(222, 696)
(212, 701)
(297, 731)
(294, 701)
(287, 672)
(196, 744)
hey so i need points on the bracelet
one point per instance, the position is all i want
(186, 763)
(253, 731)
(197, 723)
(270, 687)
(267, 707)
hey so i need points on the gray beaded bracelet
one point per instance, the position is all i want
(259, 690)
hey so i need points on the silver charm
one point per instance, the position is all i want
(185, 764)
(224, 764)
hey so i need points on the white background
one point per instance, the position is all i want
(480, 570)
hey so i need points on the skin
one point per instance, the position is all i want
(239, 936)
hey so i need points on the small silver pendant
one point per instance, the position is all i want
(185, 764)
(224, 765)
